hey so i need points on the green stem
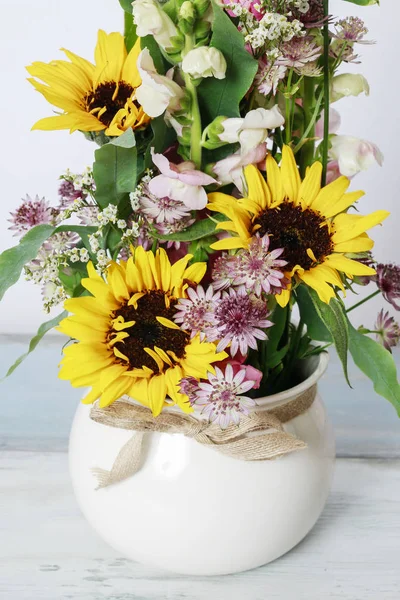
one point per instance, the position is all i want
(288, 111)
(196, 131)
(308, 149)
(364, 300)
(325, 142)
(311, 124)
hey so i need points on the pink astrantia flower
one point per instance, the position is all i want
(239, 322)
(298, 52)
(268, 77)
(181, 182)
(31, 213)
(163, 209)
(388, 281)
(254, 269)
(388, 330)
(221, 399)
(68, 193)
(196, 313)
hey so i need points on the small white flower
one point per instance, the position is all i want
(205, 61)
(94, 243)
(84, 255)
(121, 224)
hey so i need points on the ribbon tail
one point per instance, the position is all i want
(262, 447)
(127, 463)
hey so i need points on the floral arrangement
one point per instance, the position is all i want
(209, 248)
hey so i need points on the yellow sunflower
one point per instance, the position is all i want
(128, 343)
(93, 97)
(309, 222)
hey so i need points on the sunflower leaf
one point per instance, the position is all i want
(115, 171)
(316, 328)
(43, 329)
(377, 364)
(197, 231)
(223, 96)
(333, 316)
(13, 260)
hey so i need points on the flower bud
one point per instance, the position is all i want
(202, 6)
(348, 84)
(204, 62)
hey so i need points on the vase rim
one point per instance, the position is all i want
(283, 397)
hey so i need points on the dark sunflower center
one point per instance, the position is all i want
(148, 332)
(105, 96)
(294, 229)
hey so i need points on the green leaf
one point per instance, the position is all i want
(126, 5)
(115, 171)
(333, 316)
(43, 329)
(364, 2)
(198, 230)
(223, 96)
(14, 259)
(149, 42)
(316, 328)
(130, 34)
(378, 365)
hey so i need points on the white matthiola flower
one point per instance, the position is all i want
(150, 19)
(204, 62)
(354, 155)
(157, 93)
(348, 84)
(253, 129)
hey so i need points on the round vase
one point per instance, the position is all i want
(194, 511)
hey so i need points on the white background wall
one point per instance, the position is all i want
(32, 162)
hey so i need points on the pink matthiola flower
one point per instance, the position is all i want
(31, 213)
(180, 182)
(387, 330)
(196, 312)
(250, 5)
(388, 281)
(254, 269)
(334, 123)
(230, 169)
(221, 398)
(354, 155)
(239, 322)
(268, 76)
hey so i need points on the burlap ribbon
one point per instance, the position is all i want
(260, 436)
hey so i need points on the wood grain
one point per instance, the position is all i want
(48, 551)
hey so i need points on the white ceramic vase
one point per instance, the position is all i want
(195, 511)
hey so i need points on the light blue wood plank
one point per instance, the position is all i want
(38, 408)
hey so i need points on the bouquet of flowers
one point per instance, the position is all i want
(218, 202)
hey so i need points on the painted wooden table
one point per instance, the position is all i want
(48, 551)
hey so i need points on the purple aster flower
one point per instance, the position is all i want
(221, 399)
(298, 52)
(239, 321)
(254, 269)
(387, 330)
(388, 281)
(31, 213)
(196, 312)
